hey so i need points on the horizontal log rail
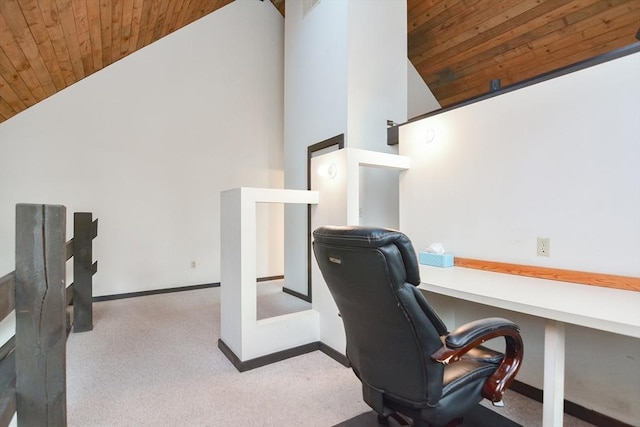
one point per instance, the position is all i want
(581, 277)
(33, 361)
(7, 381)
(7, 294)
(68, 249)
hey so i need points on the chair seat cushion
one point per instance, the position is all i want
(480, 354)
(484, 354)
(465, 372)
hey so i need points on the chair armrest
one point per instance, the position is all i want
(477, 330)
(473, 334)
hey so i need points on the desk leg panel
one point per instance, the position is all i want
(554, 350)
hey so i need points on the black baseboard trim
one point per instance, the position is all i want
(335, 355)
(171, 290)
(570, 408)
(270, 278)
(526, 390)
(155, 292)
(266, 359)
(303, 297)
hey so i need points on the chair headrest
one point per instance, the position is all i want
(371, 237)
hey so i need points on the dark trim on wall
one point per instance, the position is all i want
(311, 149)
(280, 355)
(330, 142)
(176, 289)
(570, 408)
(335, 355)
(297, 294)
(266, 359)
(270, 278)
(154, 292)
(605, 57)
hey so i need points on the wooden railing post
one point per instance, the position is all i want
(7, 382)
(84, 230)
(40, 353)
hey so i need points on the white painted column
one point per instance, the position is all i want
(554, 344)
(345, 73)
(315, 109)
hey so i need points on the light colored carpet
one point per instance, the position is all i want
(154, 361)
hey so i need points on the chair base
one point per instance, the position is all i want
(399, 419)
(402, 421)
(452, 423)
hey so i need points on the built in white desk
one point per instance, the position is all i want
(612, 310)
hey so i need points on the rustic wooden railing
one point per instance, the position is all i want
(33, 361)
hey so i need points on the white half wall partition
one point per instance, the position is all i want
(247, 341)
(336, 177)
(241, 332)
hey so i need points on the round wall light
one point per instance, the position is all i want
(328, 170)
(429, 135)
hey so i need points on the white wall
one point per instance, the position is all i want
(377, 72)
(148, 143)
(560, 159)
(420, 99)
(376, 92)
(315, 108)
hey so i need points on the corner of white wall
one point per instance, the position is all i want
(420, 99)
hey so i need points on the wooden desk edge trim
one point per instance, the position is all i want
(582, 277)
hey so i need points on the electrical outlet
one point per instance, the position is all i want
(193, 264)
(543, 246)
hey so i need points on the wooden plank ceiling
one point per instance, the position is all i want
(47, 45)
(457, 46)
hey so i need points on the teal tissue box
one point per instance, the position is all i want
(436, 260)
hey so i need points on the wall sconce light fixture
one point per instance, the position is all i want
(329, 170)
(429, 135)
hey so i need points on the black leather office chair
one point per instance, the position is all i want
(395, 339)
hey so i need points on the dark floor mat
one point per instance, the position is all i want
(477, 417)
